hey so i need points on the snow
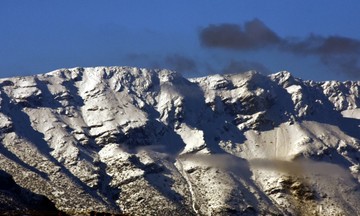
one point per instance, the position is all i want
(351, 113)
(192, 137)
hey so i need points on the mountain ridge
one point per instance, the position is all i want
(137, 141)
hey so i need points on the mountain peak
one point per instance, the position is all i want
(284, 78)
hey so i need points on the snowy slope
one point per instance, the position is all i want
(147, 142)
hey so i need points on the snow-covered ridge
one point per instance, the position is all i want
(139, 141)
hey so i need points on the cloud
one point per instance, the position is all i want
(302, 167)
(299, 168)
(254, 35)
(180, 63)
(243, 66)
(318, 45)
(226, 162)
(339, 45)
(338, 53)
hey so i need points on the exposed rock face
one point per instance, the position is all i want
(135, 141)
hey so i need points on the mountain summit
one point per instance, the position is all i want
(134, 141)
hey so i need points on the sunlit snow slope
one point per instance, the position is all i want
(136, 141)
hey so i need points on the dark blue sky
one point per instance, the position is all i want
(312, 39)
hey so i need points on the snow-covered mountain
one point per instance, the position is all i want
(136, 141)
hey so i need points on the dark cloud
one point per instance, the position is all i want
(257, 35)
(318, 45)
(254, 35)
(243, 66)
(340, 54)
(180, 63)
(339, 45)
